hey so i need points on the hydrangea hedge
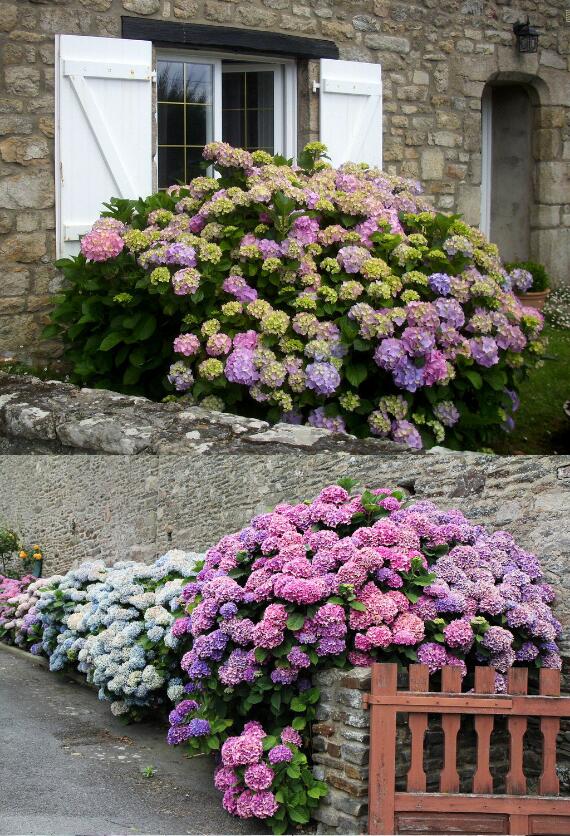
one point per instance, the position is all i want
(342, 581)
(304, 294)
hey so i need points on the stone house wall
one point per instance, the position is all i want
(437, 57)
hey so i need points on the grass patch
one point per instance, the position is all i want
(541, 425)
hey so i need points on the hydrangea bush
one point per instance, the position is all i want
(10, 589)
(22, 623)
(303, 293)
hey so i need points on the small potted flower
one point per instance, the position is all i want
(32, 560)
(530, 282)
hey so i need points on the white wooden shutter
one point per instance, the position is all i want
(351, 111)
(103, 129)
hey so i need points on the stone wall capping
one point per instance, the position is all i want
(58, 417)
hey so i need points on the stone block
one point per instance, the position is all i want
(185, 9)
(15, 125)
(24, 247)
(469, 202)
(33, 189)
(432, 163)
(552, 182)
(544, 217)
(15, 280)
(387, 43)
(356, 753)
(22, 80)
(8, 17)
(24, 151)
(547, 144)
(420, 77)
(549, 58)
(142, 7)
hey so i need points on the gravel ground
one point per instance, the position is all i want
(67, 766)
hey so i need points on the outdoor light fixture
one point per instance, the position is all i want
(527, 36)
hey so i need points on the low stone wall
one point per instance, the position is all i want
(53, 417)
(341, 748)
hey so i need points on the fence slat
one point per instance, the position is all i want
(382, 777)
(516, 780)
(483, 780)
(418, 723)
(450, 723)
(549, 726)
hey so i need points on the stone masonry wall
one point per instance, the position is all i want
(436, 56)
(81, 507)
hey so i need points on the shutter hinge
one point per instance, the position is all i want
(316, 86)
(153, 76)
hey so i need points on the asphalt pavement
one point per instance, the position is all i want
(67, 766)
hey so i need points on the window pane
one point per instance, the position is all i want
(199, 83)
(259, 90)
(233, 89)
(170, 81)
(197, 124)
(260, 129)
(233, 127)
(171, 124)
(170, 166)
(195, 164)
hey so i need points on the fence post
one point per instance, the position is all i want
(382, 776)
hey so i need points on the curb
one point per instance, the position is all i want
(43, 663)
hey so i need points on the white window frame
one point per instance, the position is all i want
(285, 101)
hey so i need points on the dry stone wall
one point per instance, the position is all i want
(436, 55)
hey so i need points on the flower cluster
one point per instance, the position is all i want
(254, 777)
(10, 590)
(20, 622)
(312, 294)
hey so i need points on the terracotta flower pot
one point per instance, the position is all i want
(534, 300)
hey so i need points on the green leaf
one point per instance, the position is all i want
(299, 723)
(299, 816)
(131, 376)
(260, 653)
(145, 328)
(356, 373)
(110, 341)
(357, 605)
(293, 772)
(474, 377)
(295, 621)
(297, 704)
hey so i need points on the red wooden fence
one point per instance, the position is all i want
(450, 811)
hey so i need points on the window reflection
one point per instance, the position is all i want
(185, 119)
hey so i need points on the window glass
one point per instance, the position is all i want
(185, 119)
(248, 109)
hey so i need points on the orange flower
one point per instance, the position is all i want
(23, 554)
(37, 556)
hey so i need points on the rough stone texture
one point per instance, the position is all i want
(436, 57)
(341, 749)
(55, 417)
(110, 506)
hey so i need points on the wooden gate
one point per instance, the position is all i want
(449, 810)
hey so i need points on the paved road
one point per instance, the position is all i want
(67, 766)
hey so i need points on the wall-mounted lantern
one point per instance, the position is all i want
(527, 36)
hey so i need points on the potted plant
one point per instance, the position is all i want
(530, 282)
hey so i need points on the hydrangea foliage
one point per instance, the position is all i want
(305, 293)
